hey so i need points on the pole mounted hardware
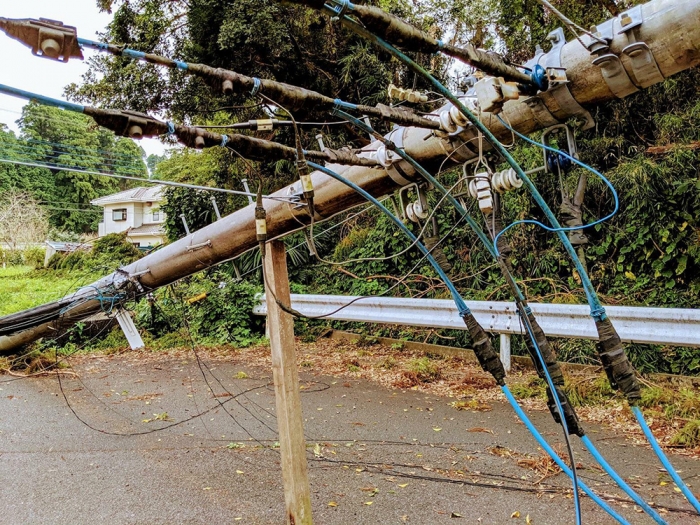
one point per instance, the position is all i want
(407, 37)
(61, 42)
(47, 38)
(127, 123)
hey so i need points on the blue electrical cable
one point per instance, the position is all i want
(488, 244)
(583, 165)
(547, 448)
(555, 395)
(592, 449)
(621, 482)
(597, 310)
(47, 101)
(461, 305)
(664, 460)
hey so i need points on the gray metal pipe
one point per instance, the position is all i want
(670, 30)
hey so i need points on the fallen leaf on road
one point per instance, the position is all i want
(437, 429)
(368, 502)
(403, 485)
(332, 504)
(456, 515)
(528, 520)
(480, 429)
(516, 514)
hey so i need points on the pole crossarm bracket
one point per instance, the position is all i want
(47, 38)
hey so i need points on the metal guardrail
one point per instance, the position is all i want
(672, 326)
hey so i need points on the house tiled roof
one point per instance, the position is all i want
(150, 194)
(147, 229)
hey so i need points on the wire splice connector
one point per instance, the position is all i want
(260, 221)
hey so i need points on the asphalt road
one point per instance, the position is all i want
(376, 456)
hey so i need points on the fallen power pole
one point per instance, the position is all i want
(635, 50)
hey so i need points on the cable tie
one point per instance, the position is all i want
(343, 6)
(171, 128)
(464, 311)
(257, 84)
(224, 140)
(340, 105)
(598, 314)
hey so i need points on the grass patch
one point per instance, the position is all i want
(587, 391)
(688, 436)
(23, 287)
(420, 370)
(672, 402)
(532, 388)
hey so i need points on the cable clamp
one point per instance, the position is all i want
(224, 140)
(257, 84)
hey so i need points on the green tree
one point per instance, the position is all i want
(55, 138)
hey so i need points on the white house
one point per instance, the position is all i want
(137, 211)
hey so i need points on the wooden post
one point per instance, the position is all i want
(297, 493)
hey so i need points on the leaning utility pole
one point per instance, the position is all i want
(633, 51)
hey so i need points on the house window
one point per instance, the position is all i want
(156, 216)
(119, 215)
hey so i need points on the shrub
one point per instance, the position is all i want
(34, 257)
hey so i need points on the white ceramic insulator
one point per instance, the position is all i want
(514, 180)
(457, 117)
(410, 213)
(472, 188)
(496, 182)
(386, 157)
(446, 122)
(485, 201)
(419, 211)
(506, 180)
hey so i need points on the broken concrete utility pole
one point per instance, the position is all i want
(640, 47)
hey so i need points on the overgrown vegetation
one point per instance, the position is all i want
(23, 286)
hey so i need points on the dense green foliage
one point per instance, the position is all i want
(648, 254)
(105, 254)
(51, 136)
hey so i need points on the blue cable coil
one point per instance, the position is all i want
(602, 177)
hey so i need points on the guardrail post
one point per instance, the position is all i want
(505, 351)
(297, 493)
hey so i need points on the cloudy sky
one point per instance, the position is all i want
(23, 70)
